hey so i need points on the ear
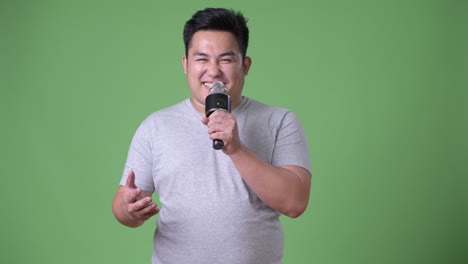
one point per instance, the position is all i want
(184, 64)
(247, 64)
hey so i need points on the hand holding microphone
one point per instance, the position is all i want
(218, 99)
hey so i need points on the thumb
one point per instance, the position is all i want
(205, 120)
(131, 180)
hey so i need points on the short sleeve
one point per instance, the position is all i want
(140, 158)
(291, 147)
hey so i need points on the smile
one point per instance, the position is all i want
(208, 84)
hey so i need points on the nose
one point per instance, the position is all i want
(214, 69)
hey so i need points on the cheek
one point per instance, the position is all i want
(195, 72)
(237, 75)
(233, 72)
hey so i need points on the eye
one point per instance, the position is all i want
(226, 60)
(201, 59)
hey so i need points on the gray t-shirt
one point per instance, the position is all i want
(209, 214)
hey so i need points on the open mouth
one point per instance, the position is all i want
(208, 84)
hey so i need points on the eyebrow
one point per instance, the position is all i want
(199, 54)
(228, 53)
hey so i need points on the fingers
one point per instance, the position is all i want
(131, 180)
(205, 120)
(132, 191)
(139, 205)
(220, 121)
(222, 125)
(139, 209)
(143, 209)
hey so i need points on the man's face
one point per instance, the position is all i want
(214, 56)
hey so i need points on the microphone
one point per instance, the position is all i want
(217, 99)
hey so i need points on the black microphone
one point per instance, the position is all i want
(217, 99)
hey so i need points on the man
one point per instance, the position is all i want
(218, 206)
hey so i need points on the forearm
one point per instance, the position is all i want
(283, 189)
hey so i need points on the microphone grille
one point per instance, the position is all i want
(218, 87)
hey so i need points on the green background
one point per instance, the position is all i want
(380, 87)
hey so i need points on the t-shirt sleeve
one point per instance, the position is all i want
(140, 158)
(291, 146)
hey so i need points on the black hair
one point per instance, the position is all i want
(218, 19)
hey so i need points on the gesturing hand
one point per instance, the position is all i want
(138, 204)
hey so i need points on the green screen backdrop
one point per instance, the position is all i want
(380, 87)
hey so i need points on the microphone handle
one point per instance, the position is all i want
(213, 102)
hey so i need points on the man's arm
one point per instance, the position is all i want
(285, 189)
(132, 206)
